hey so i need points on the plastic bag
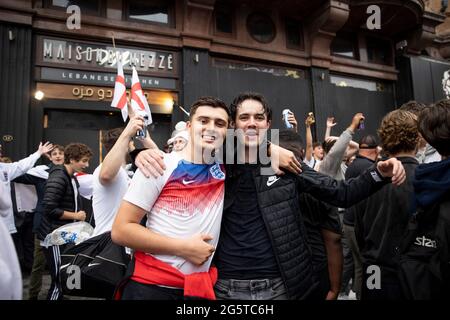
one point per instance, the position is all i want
(75, 232)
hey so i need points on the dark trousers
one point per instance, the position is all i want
(138, 291)
(349, 232)
(348, 271)
(323, 285)
(53, 257)
(24, 243)
(37, 272)
(260, 289)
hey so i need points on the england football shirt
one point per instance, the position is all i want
(186, 200)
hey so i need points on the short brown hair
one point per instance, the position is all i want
(76, 151)
(109, 138)
(434, 126)
(413, 107)
(399, 132)
(5, 160)
(56, 147)
(208, 102)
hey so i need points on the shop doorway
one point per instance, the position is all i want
(66, 126)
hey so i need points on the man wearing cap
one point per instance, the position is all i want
(366, 157)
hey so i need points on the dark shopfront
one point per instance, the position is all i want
(301, 90)
(303, 55)
(78, 89)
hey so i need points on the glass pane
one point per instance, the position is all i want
(261, 27)
(224, 21)
(378, 51)
(85, 5)
(149, 12)
(293, 33)
(344, 46)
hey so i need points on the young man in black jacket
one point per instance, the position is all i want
(425, 266)
(262, 252)
(323, 232)
(383, 223)
(366, 157)
(61, 205)
(38, 176)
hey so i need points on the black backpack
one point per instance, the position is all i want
(102, 264)
(424, 264)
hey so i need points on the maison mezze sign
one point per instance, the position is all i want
(97, 56)
(101, 78)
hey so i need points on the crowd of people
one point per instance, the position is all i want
(228, 211)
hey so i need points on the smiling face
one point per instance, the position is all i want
(318, 152)
(208, 127)
(57, 156)
(252, 119)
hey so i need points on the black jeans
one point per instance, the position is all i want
(24, 243)
(262, 289)
(138, 291)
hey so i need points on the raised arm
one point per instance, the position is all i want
(116, 156)
(19, 168)
(333, 159)
(291, 119)
(330, 124)
(309, 141)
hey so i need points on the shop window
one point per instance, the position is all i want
(369, 85)
(294, 34)
(223, 15)
(261, 27)
(152, 11)
(379, 51)
(345, 45)
(91, 7)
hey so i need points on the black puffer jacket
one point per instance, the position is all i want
(59, 196)
(279, 204)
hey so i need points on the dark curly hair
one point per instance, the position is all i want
(250, 96)
(399, 132)
(413, 107)
(434, 126)
(76, 151)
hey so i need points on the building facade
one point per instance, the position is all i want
(334, 58)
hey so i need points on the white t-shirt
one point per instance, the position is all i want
(106, 199)
(186, 200)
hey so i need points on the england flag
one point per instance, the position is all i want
(138, 99)
(120, 93)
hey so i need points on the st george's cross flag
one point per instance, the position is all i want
(138, 99)
(120, 92)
